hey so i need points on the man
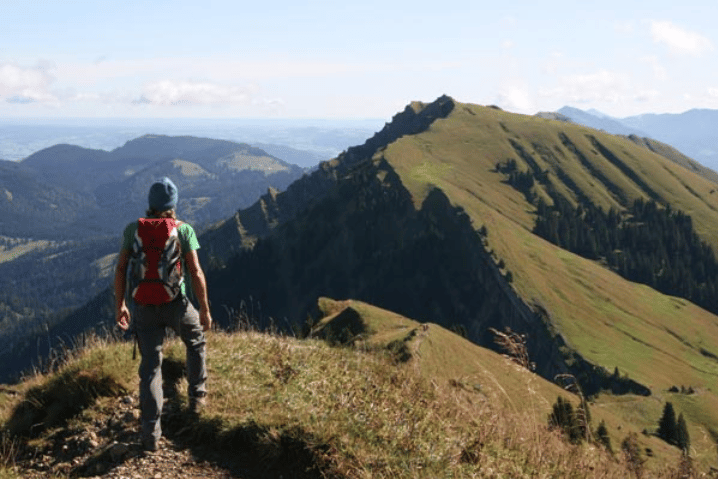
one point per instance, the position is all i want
(150, 320)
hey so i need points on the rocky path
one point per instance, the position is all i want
(108, 446)
(168, 462)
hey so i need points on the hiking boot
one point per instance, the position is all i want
(150, 445)
(197, 403)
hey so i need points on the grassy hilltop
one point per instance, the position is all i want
(660, 341)
(404, 400)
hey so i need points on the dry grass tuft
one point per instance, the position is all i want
(87, 373)
(514, 346)
(56, 401)
(8, 451)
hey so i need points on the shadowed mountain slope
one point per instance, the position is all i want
(31, 207)
(271, 210)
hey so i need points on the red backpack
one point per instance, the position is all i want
(156, 261)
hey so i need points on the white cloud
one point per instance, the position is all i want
(516, 98)
(26, 85)
(679, 40)
(603, 86)
(168, 92)
(713, 92)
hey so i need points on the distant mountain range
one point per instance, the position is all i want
(694, 133)
(66, 191)
(302, 142)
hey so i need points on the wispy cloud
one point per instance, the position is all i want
(679, 40)
(26, 85)
(660, 72)
(603, 86)
(170, 92)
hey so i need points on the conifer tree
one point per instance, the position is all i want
(667, 427)
(603, 437)
(564, 418)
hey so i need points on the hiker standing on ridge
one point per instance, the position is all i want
(156, 251)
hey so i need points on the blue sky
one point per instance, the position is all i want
(369, 59)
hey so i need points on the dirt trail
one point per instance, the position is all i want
(109, 447)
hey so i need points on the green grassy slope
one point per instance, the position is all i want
(657, 340)
(676, 156)
(438, 354)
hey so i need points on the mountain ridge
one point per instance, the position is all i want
(247, 225)
(449, 236)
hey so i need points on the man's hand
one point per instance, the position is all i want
(205, 318)
(122, 314)
(122, 317)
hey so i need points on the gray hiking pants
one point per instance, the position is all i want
(151, 321)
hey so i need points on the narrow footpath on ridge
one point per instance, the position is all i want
(109, 448)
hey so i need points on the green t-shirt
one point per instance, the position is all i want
(188, 242)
